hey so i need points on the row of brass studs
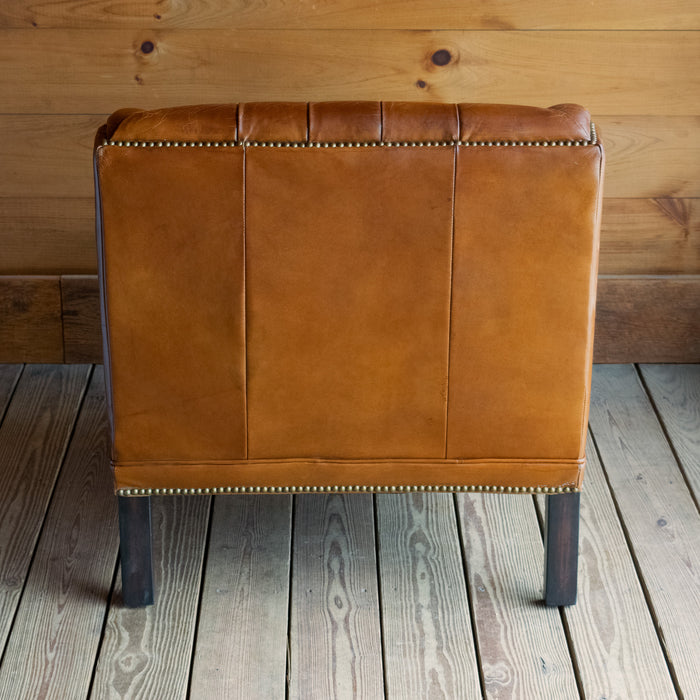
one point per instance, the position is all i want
(321, 144)
(344, 489)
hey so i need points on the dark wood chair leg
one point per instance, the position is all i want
(135, 550)
(561, 548)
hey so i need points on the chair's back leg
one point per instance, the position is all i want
(561, 548)
(135, 550)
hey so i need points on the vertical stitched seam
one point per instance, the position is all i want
(245, 303)
(449, 323)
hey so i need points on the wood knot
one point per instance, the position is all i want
(441, 57)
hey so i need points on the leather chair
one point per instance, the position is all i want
(356, 297)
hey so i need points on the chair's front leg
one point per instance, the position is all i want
(561, 548)
(135, 550)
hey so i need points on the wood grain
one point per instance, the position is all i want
(334, 639)
(242, 633)
(428, 642)
(58, 625)
(351, 14)
(62, 68)
(658, 512)
(48, 235)
(647, 319)
(638, 319)
(650, 237)
(82, 334)
(610, 628)
(9, 376)
(647, 156)
(64, 167)
(676, 395)
(146, 652)
(650, 156)
(34, 436)
(522, 647)
(31, 328)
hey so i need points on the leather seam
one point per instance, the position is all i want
(245, 301)
(449, 322)
(263, 461)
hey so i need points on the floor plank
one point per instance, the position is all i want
(675, 391)
(241, 647)
(611, 629)
(146, 652)
(522, 646)
(33, 439)
(658, 513)
(335, 645)
(428, 641)
(9, 376)
(58, 626)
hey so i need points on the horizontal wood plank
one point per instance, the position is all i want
(658, 512)
(44, 236)
(648, 319)
(638, 319)
(647, 157)
(45, 156)
(651, 156)
(81, 316)
(352, 14)
(48, 235)
(622, 73)
(31, 329)
(650, 237)
(58, 626)
(33, 439)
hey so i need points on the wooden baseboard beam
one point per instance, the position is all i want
(638, 319)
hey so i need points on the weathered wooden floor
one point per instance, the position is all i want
(319, 597)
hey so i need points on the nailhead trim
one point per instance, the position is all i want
(345, 489)
(345, 144)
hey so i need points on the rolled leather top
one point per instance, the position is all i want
(301, 122)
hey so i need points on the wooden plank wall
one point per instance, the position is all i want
(67, 64)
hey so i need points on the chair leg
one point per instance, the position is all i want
(135, 550)
(561, 548)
